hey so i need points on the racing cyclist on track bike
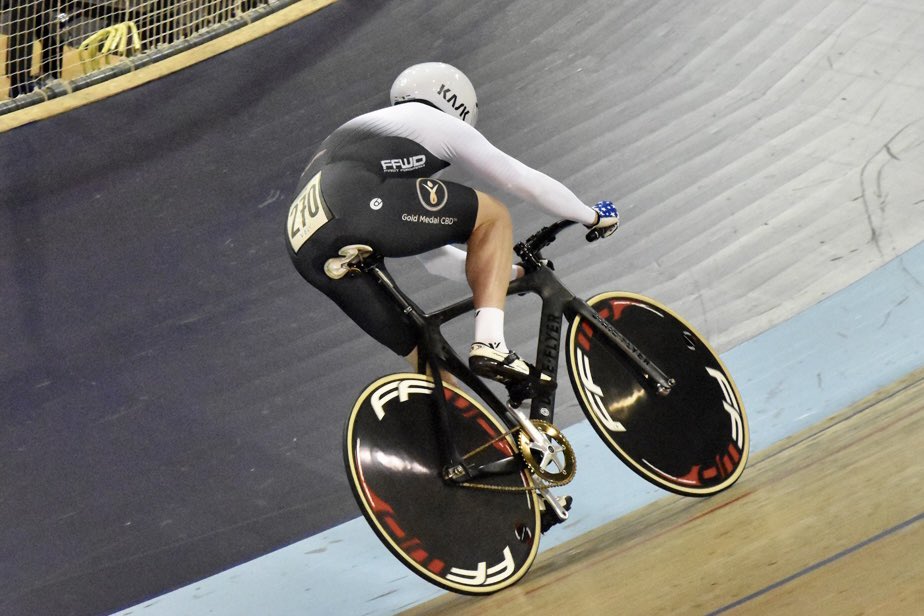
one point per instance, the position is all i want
(374, 182)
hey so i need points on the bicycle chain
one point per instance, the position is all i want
(538, 482)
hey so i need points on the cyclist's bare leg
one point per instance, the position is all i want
(488, 267)
(490, 253)
(488, 262)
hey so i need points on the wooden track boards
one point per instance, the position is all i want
(830, 521)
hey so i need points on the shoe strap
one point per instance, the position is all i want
(511, 358)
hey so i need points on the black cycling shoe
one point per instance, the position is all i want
(548, 518)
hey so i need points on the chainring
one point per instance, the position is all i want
(559, 454)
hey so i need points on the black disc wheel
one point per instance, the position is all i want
(693, 441)
(466, 540)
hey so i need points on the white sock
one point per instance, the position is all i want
(489, 328)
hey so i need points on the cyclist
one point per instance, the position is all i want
(374, 181)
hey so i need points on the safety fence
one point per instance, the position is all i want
(52, 47)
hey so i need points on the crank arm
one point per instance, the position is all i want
(552, 502)
(528, 427)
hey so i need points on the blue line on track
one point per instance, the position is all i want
(820, 564)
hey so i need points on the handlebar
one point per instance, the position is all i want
(546, 235)
(529, 249)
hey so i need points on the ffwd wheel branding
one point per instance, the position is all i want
(594, 394)
(398, 389)
(731, 407)
(484, 575)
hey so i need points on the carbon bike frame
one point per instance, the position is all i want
(435, 353)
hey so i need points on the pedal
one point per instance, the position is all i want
(555, 511)
(533, 386)
(350, 256)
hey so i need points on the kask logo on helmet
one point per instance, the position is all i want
(453, 101)
(438, 84)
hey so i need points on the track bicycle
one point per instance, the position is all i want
(457, 484)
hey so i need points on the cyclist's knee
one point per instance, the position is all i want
(492, 211)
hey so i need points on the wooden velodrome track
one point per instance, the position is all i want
(167, 405)
(829, 521)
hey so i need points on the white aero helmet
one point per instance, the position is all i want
(439, 84)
